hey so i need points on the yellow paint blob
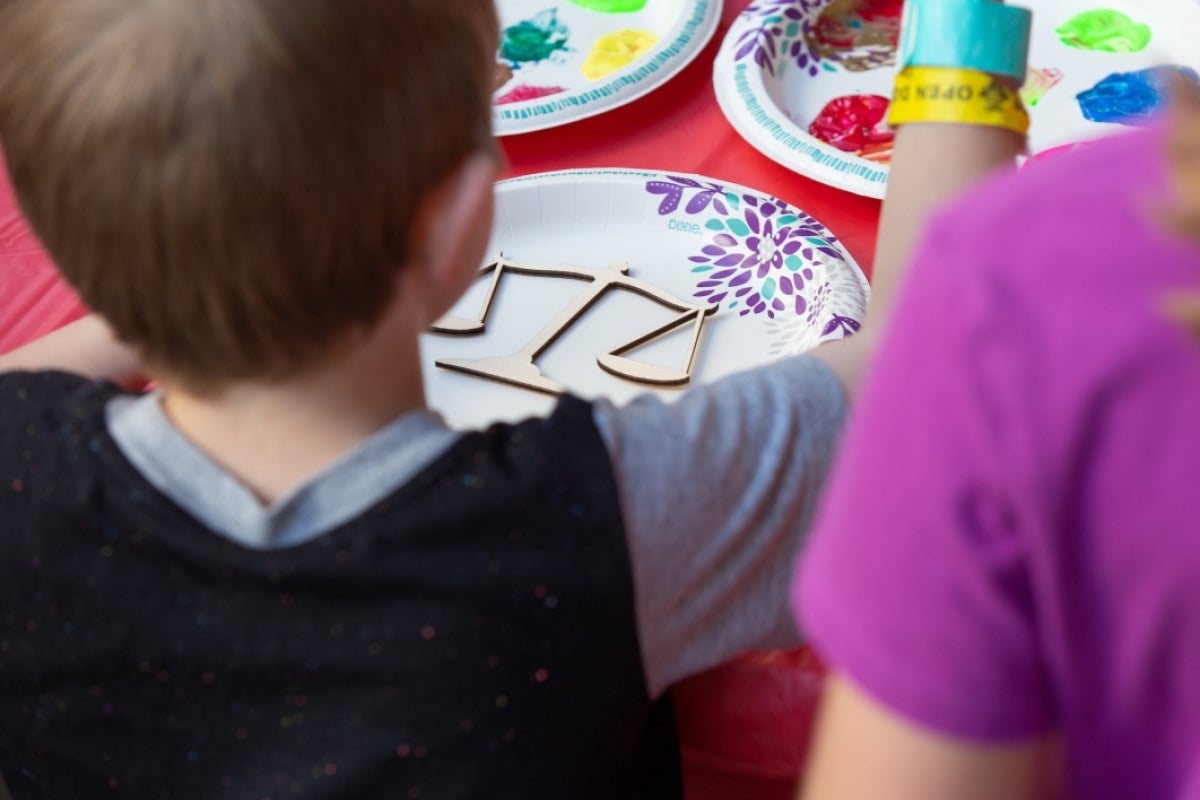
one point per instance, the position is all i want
(615, 50)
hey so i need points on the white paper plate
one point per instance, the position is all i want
(679, 28)
(770, 86)
(672, 231)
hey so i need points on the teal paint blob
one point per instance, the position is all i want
(534, 40)
(611, 6)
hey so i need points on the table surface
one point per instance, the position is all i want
(744, 726)
(679, 127)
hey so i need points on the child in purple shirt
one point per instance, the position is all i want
(1005, 576)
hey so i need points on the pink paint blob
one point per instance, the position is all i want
(523, 92)
(1055, 152)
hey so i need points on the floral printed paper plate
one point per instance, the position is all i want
(567, 60)
(808, 82)
(609, 283)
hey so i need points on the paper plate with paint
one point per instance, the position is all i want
(563, 61)
(808, 82)
(610, 283)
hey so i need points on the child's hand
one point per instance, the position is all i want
(86, 347)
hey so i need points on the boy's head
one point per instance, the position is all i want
(233, 184)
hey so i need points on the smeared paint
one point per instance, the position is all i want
(855, 124)
(611, 6)
(1104, 30)
(1130, 98)
(504, 74)
(522, 92)
(615, 50)
(1037, 83)
(534, 40)
(857, 34)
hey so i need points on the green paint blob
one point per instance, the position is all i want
(534, 39)
(611, 6)
(1105, 31)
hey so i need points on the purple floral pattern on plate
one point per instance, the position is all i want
(783, 32)
(834, 313)
(779, 35)
(766, 259)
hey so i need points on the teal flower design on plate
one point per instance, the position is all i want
(761, 258)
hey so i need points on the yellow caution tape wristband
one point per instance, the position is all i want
(950, 94)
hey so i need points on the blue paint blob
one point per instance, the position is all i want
(1131, 98)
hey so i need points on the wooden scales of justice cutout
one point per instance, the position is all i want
(520, 369)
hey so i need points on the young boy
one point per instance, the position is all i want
(280, 574)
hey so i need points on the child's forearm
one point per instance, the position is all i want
(959, 118)
(932, 163)
(86, 347)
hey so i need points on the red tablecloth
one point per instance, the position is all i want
(33, 301)
(744, 726)
(679, 127)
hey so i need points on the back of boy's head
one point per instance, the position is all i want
(233, 183)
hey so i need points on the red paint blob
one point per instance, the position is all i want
(522, 92)
(843, 25)
(875, 10)
(854, 123)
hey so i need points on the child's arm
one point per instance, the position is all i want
(868, 752)
(86, 347)
(932, 164)
(864, 749)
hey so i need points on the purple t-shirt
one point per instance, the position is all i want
(1011, 541)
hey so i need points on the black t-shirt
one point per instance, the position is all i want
(471, 635)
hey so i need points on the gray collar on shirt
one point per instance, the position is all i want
(172, 464)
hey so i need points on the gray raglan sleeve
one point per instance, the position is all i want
(717, 494)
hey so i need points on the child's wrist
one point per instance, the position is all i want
(980, 35)
(958, 96)
(961, 62)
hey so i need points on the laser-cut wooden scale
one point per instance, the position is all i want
(519, 368)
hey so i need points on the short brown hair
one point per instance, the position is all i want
(232, 183)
